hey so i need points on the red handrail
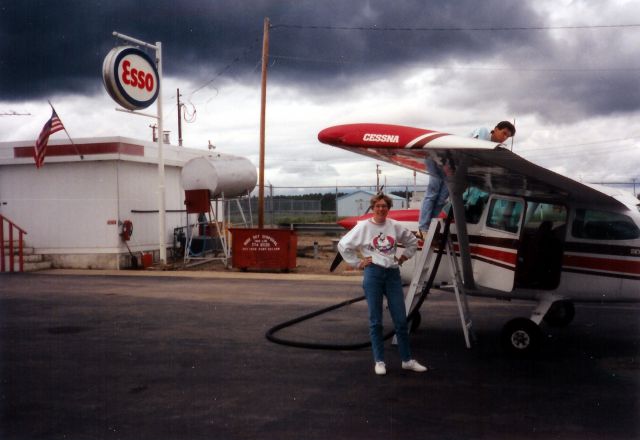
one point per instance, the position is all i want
(21, 233)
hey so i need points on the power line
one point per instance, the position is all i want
(236, 60)
(554, 147)
(343, 60)
(452, 29)
(314, 60)
(14, 113)
(569, 154)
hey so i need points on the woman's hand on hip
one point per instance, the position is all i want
(364, 262)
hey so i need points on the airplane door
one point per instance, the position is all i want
(494, 251)
(541, 247)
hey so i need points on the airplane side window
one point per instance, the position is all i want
(505, 215)
(474, 201)
(537, 213)
(603, 225)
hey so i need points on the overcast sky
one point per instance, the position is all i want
(568, 73)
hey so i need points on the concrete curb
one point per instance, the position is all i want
(205, 274)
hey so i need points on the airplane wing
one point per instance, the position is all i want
(487, 165)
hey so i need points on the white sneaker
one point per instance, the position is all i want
(380, 369)
(413, 365)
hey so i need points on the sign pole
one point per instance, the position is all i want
(162, 221)
(131, 104)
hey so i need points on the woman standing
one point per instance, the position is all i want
(376, 240)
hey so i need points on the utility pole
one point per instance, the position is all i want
(263, 104)
(153, 127)
(378, 172)
(179, 119)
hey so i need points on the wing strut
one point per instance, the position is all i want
(455, 195)
(461, 297)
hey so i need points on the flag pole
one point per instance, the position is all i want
(67, 133)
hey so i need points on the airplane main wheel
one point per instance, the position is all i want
(560, 314)
(521, 337)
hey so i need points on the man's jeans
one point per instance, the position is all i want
(435, 197)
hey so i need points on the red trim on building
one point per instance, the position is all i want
(84, 149)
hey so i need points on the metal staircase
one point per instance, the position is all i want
(15, 256)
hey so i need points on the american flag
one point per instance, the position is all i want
(53, 125)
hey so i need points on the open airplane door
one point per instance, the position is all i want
(494, 251)
(517, 243)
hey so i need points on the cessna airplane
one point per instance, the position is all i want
(520, 231)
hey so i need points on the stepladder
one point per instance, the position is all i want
(426, 263)
(423, 265)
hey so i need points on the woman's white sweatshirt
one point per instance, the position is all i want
(378, 241)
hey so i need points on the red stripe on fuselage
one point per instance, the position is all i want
(604, 264)
(494, 254)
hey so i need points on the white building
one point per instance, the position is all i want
(73, 209)
(357, 203)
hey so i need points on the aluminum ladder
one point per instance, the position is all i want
(422, 272)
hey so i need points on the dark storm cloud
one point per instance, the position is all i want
(57, 47)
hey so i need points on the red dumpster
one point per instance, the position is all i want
(263, 248)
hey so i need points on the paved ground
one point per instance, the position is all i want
(173, 357)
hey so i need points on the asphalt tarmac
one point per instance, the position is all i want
(183, 356)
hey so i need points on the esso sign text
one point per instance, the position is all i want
(137, 78)
(130, 77)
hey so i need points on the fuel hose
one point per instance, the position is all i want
(270, 334)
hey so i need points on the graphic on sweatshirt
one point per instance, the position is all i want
(384, 244)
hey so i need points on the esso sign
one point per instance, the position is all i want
(130, 77)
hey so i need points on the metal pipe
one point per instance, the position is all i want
(135, 40)
(162, 221)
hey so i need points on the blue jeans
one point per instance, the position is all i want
(379, 282)
(435, 197)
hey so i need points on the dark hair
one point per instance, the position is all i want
(379, 197)
(508, 125)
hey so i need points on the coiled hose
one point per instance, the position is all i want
(270, 334)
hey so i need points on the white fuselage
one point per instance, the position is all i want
(521, 249)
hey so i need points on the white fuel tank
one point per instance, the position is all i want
(221, 174)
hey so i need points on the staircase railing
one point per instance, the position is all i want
(11, 229)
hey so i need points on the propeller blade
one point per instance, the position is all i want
(336, 262)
